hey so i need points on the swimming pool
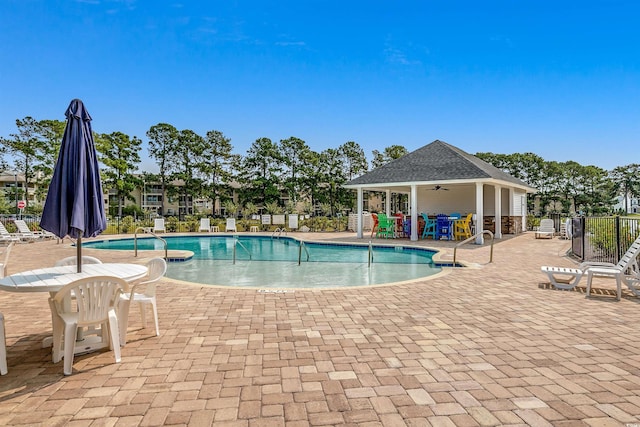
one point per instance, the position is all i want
(265, 262)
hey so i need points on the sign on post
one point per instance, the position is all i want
(22, 204)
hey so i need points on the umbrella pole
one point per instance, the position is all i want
(79, 253)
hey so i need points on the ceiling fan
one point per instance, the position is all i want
(438, 187)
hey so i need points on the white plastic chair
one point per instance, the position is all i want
(231, 225)
(96, 299)
(205, 225)
(24, 232)
(3, 348)
(143, 293)
(158, 226)
(73, 260)
(6, 236)
(546, 228)
(625, 271)
(5, 260)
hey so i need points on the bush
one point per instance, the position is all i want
(126, 224)
(171, 223)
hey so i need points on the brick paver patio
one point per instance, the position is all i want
(485, 346)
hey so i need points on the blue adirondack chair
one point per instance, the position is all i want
(443, 227)
(429, 227)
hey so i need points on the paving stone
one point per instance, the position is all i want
(490, 345)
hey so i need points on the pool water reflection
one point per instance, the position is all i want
(265, 262)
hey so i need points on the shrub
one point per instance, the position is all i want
(171, 224)
(126, 224)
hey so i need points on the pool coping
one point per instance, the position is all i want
(178, 255)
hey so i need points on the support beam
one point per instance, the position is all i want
(359, 220)
(479, 212)
(388, 203)
(413, 210)
(498, 212)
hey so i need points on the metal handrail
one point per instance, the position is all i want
(370, 256)
(302, 245)
(235, 244)
(279, 231)
(472, 238)
(135, 242)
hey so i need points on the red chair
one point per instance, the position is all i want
(374, 229)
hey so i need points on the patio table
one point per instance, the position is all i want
(52, 279)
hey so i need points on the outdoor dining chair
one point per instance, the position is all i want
(96, 298)
(144, 294)
(73, 260)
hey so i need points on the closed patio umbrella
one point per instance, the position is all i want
(74, 206)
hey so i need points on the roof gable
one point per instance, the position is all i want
(437, 161)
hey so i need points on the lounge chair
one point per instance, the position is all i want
(231, 225)
(24, 232)
(563, 277)
(626, 270)
(3, 266)
(158, 226)
(546, 229)
(5, 236)
(205, 225)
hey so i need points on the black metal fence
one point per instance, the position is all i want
(129, 225)
(603, 239)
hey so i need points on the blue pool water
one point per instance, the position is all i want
(266, 262)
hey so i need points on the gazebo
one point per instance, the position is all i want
(441, 178)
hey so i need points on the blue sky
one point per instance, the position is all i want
(557, 78)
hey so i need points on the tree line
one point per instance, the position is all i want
(567, 187)
(207, 167)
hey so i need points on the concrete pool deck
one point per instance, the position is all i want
(492, 345)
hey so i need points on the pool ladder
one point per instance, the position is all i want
(237, 242)
(300, 248)
(145, 229)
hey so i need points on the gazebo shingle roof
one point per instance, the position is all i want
(437, 161)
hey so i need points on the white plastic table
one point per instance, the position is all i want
(52, 279)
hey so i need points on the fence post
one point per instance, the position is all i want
(582, 235)
(617, 225)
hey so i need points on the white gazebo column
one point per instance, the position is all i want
(388, 204)
(511, 207)
(498, 212)
(359, 220)
(413, 210)
(479, 212)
